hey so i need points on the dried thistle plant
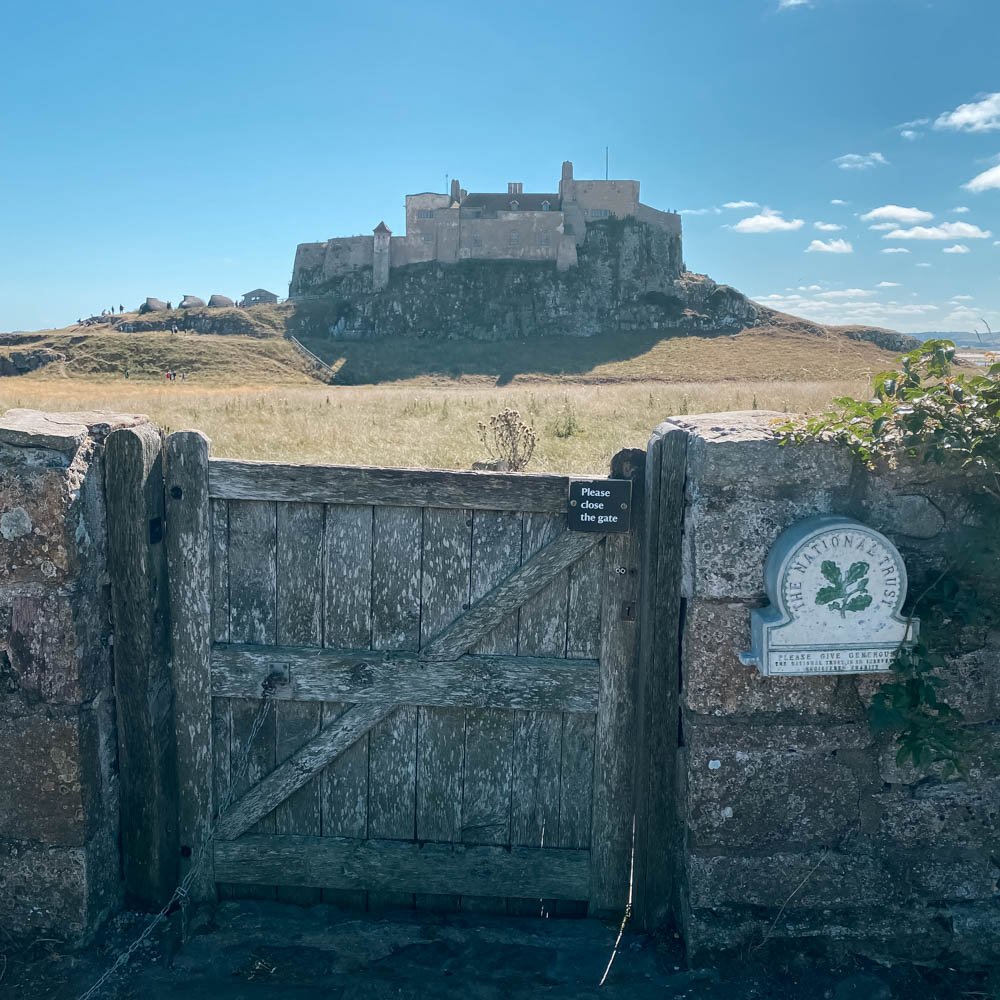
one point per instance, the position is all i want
(508, 439)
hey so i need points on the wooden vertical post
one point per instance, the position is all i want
(137, 567)
(190, 574)
(657, 837)
(614, 757)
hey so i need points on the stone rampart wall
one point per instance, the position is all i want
(795, 820)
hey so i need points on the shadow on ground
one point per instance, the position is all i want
(273, 951)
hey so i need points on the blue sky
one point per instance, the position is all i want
(187, 148)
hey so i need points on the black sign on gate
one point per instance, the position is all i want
(599, 505)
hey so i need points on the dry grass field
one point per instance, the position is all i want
(417, 402)
(579, 426)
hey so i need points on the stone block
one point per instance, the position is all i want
(769, 798)
(954, 814)
(62, 892)
(963, 876)
(42, 787)
(727, 538)
(742, 449)
(816, 879)
(57, 647)
(976, 932)
(716, 683)
(884, 934)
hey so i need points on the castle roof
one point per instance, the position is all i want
(383, 228)
(501, 202)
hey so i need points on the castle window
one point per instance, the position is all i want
(599, 213)
(514, 206)
(425, 213)
(428, 238)
(545, 206)
(515, 238)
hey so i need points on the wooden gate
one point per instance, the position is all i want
(451, 676)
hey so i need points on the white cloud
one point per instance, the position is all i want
(838, 201)
(789, 4)
(960, 210)
(861, 161)
(888, 284)
(961, 298)
(895, 250)
(831, 246)
(988, 180)
(827, 227)
(768, 221)
(923, 264)
(884, 226)
(911, 130)
(741, 204)
(957, 248)
(847, 293)
(701, 211)
(898, 214)
(944, 231)
(979, 116)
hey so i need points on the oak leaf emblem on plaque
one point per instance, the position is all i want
(845, 593)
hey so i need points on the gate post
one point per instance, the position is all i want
(657, 832)
(137, 568)
(188, 560)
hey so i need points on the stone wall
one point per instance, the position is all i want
(59, 864)
(795, 820)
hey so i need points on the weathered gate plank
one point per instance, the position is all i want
(336, 861)
(544, 574)
(347, 621)
(614, 763)
(268, 791)
(143, 698)
(541, 630)
(347, 624)
(392, 745)
(190, 585)
(583, 616)
(345, 801)
(444, 594)
(392, 748)
(543, 683)
(299, 621)
(253, 618)
(240, 480)
(496, 553)
(496, 547)
(252, 583)
(220, 570)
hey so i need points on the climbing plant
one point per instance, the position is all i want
(926, 410)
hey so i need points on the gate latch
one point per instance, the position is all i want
(628, 611)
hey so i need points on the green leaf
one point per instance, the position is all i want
(858, 603)
(832, 572)
(856, 572)
(826, 594)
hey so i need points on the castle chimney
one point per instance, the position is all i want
(456, 191)
(566, 181)
(515, 187)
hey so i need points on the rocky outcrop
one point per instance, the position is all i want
(630, 276)
(152, 305)
(22, 362)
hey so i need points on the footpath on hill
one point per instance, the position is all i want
(251, 950)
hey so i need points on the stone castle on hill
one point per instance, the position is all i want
(459, 226)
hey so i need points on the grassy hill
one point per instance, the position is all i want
(249, 346)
